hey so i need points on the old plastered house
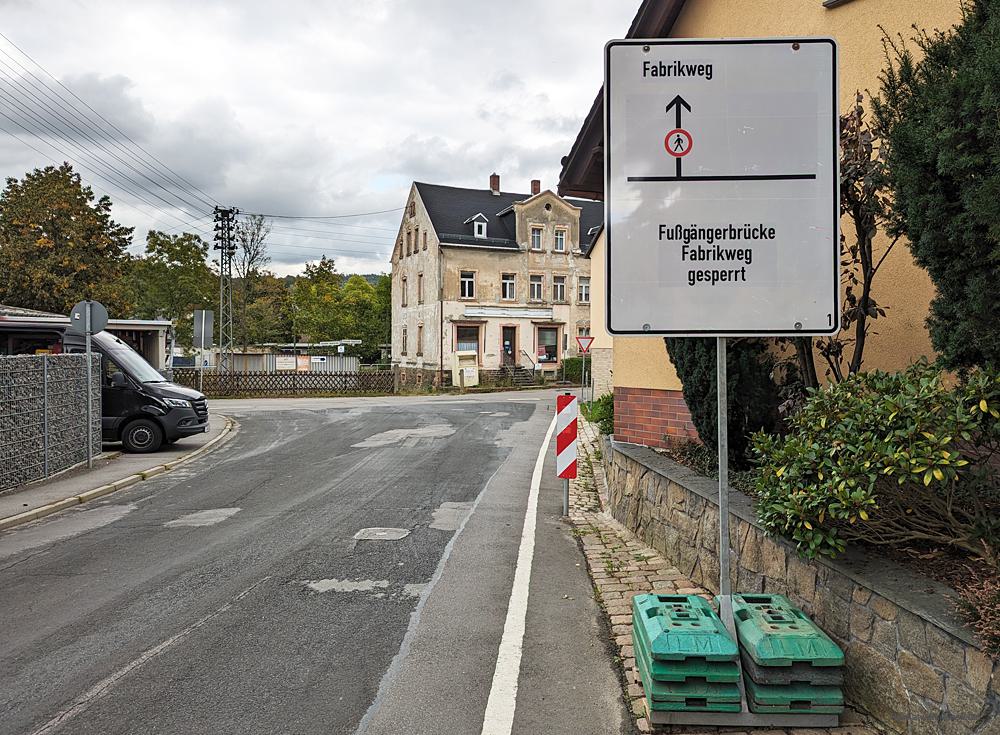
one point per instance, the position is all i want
(495, 276)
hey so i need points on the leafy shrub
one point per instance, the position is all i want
(937, 116)
(979, 602)
(602, 413)
(888, 459)
(753, 396)
(573, 367)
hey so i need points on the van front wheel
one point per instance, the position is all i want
(142, 436)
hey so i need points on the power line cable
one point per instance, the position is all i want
(66, 125)
(85, 167)
(108, 122)
(84, 152)
(326, 216)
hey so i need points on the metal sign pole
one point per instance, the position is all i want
(565, 497)
(725, 586)
(90, 397)
(201, 355)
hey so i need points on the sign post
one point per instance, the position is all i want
(567, 408)
(204, 327)
(722, 216)
(86, 318)
(584, 344)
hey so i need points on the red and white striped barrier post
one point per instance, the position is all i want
(566, 412)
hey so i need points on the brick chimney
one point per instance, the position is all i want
(495, 184)
(536, 186)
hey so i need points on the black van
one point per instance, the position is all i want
(139, 407)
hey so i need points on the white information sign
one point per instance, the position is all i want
(721, 187)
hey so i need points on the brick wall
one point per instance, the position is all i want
(652, 417)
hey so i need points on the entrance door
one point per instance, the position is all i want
(508, 345)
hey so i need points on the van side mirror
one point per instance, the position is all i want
(118, 380)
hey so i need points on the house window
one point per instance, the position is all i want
(559, 288)
(548, 344)
(467, 339)
(412, 211)
(535, 288)
(416, 241)
(507, 289)
(480, 229)
(584, 294)
(536, 238)
(403, 341)
(420, 288)
(425, 239)
(403, 299)
(409, 242)
(420, 340)
(583, 331)
(468, 285)
(560, 241)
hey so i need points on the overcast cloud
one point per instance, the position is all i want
(308, 108)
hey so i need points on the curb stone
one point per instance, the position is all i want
(32, 515)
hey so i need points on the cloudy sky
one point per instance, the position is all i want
(299, 108)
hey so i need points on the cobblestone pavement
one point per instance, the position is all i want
(622, 567)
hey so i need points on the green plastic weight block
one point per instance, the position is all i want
(687, 697)
(799, 672)
(793, 698)
(718, 672)
(681, 627)
(776, 633)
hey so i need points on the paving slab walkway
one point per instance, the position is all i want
(622, 567)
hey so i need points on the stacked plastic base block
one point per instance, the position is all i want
(686, 658)
(789, 664)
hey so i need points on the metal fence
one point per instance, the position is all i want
(43, 415)
(267, 362)
(284, 384)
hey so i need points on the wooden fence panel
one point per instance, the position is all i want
(247, 384)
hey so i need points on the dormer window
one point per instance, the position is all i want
(478, 222)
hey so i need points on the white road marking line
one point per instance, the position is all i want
(202, 518)
(499, 719)
(105, 685)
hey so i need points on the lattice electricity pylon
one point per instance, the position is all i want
(226, 245)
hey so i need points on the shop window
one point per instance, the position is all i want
(548, 344)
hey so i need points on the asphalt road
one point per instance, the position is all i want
(339, 566)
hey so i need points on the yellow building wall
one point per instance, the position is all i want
(905, 289)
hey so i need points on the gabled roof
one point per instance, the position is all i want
(583, 169)
(453, 209)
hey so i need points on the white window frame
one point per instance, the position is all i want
(402, 301)
(534, 231)
(508, 279)
(559, 289)
(480, 229)
(583, 284)
(559, 245)
(462, 281)
(540, 283)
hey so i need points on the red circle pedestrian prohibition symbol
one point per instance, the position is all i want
(678, 142)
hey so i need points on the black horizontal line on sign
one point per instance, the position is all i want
(762, 177)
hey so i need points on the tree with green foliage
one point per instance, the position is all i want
(316, 299)
(937, 116)
(172, 279)
(753, 395)
(58, 244)
(249, 263)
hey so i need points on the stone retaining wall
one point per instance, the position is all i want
(911, 664)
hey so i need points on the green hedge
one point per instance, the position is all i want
(889, 459)
(602, 413)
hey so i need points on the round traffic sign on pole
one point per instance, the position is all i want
(78, 318)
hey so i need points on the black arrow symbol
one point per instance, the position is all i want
(677, 103)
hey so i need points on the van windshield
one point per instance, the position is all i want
(127, 359)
